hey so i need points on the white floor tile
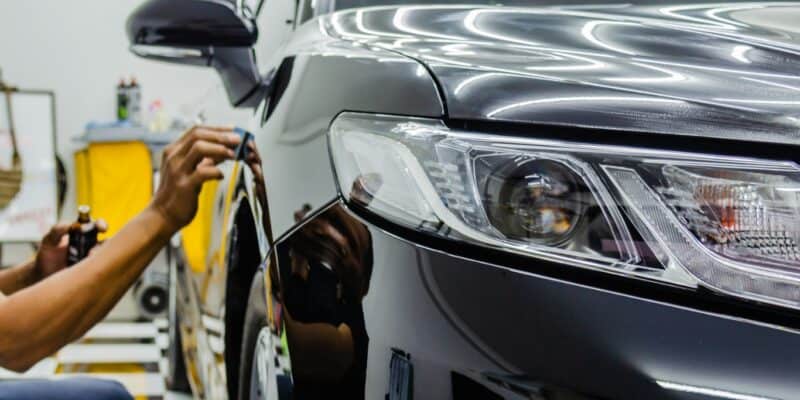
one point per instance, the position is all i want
(109, 353)
(161, 323)
(81, 355)
(162, 341)
(121, 330)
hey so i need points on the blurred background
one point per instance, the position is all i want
(73, 55)
(78, 49)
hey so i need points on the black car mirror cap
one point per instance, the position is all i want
(202, 33)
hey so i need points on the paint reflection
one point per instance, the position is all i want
(317, 279)
(677, 68)
(324, 269)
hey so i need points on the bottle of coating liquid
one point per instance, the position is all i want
(122, 101)
(82, 236)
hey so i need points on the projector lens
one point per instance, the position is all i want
(536, 200)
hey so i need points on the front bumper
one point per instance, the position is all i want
(474, 327)
(447, 326)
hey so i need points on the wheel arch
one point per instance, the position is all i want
(243, 262)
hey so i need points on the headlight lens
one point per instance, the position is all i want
(537, 200)
(730, 224)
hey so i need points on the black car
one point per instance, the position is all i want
(476, 200)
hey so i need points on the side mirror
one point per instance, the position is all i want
(212, 33)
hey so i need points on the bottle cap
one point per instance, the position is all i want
(84, 213)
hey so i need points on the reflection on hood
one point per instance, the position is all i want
(729, 70)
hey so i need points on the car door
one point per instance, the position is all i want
(220, 202)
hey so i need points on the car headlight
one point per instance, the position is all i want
(729, 224)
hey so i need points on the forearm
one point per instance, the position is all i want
(17, 278)
(38, 320)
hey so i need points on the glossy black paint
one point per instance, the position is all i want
(237, 68)
(471, 328)
(719, 70)
(190, 23)
(201, 32)
(545, 331)
(464, 318)
(472, 323)
(322, 81)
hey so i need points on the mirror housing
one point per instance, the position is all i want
(211, 33)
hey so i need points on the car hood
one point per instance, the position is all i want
(723, 70)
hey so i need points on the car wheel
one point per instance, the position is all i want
(176, 368)
(264, 371)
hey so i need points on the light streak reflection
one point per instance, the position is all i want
(718, 393)
(552, 100)
(588, 32)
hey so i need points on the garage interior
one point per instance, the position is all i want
(73, 56)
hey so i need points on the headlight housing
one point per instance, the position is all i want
(726, 223)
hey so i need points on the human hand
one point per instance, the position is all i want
(186, 164)
(52, 254)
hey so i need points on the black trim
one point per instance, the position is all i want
(647, 140)
(278, 87)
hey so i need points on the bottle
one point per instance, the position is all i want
(122, 101)
(134, 92)
(159, 120)
(82, 236)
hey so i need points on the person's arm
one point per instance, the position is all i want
(18, 278)
(51, 258)
(38, 320)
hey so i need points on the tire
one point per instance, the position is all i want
(258, 338)
(176, 368)
(243, 264)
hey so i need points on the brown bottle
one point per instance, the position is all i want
(82, 236)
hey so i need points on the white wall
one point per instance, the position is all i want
(79, 50)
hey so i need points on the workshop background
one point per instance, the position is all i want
(79, 51)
